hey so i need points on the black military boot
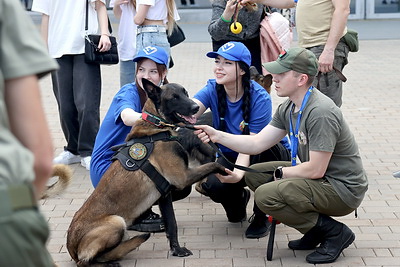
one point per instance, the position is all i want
(336, 237)
(310, 240)
(259, 224)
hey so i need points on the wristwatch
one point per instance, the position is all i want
(278, 174)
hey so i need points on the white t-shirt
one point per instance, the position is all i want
(158, 10)
(66, 33)
(126, 32)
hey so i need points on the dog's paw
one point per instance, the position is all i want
(220, 169)
(181, 252)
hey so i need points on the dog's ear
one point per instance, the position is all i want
(152, 90)
(253, 72)
(268, 82)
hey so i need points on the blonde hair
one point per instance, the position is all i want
(170, 15)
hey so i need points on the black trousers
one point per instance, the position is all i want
(77, 88)
(231, 196)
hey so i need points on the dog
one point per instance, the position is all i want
(264, 80)
(64, 174)
(97, 234)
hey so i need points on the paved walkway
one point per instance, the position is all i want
(371, 106)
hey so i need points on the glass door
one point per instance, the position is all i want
(357, 9)
(386, 9)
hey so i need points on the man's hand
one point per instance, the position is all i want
(325, 61)
(206, 133)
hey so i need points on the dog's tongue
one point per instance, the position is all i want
(190, 119)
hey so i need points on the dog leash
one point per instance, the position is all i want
(217, 150)
(160, 123)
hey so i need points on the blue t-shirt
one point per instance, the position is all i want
(260, 110)
(112, 130)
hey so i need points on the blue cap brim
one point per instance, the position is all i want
(224, 55)
(157, 60)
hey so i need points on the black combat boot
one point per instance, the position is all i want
(259, 224)
(336, 237)
(310, 240)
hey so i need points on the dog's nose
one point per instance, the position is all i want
(195, 108)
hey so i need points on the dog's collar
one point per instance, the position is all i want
(156, 121)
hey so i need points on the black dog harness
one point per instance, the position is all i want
(134, 154)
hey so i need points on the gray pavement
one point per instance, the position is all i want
(371, 107)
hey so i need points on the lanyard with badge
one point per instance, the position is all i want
(294, 135)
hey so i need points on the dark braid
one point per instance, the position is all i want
(221, 106)
(245, 100)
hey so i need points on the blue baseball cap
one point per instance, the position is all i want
(155, 53)
(234, 51)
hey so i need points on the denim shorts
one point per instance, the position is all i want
(145, 39)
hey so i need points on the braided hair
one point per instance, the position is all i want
(246, 101)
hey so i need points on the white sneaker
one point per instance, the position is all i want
(85, 162)
(67, 158)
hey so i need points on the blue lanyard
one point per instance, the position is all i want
(294, 136)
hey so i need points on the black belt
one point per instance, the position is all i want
(16, 197)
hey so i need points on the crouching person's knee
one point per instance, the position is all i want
(265, 174)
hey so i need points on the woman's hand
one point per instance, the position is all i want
(231, 178)
(104, 43)
(120, 2)
(230, 9)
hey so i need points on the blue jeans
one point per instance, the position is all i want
(77, 88)
(127, 72)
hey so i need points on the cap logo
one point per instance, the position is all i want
(282, 54)
(227, 46)
(149, 50)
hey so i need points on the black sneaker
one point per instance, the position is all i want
(149, 222)
(259, 226)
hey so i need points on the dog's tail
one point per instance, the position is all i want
(64, 174)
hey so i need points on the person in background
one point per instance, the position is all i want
(250, 18)
(239, 106)
(125, 12)
(328, 181)
(321, 32)
(154, 18)
(76, 84)
(26, 147)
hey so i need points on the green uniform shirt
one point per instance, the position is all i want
(323, 128)
(22, 53)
